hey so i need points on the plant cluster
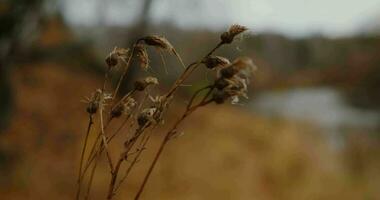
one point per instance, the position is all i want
(146, 113)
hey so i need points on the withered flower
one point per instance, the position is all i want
(233, 31)
(213, 62)
(232, 81)
(236, 87)
(140, 85)
(142, 55)
(97, 98)
(147, 115)
(242, 64)
(221, 83)
(93, 102)
(113, 58)
(219, 96)
(124, 107)
(159, 42)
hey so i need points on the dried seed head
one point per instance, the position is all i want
(240, 65)
(150, 80)
(147, 115)
(236, 29)
(161, 103)
(221, 83)
(228, 37)
(140, 85)
(233, 80)
(92, 108)
(213, 62)
(123, 108)
(142, 55)
(113, 58)
(220, 96)
(232, 88)
(94, 101)
(244, 63)
(117, 111)
(159, 42)
(229, 72)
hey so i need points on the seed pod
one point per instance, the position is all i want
(229, 72)
(146, 116)
(226, 38)
(113, 58)
(140, 85)
(221, 83)
(244, 63)
(233, 31)
(94, 101)
(92, 108)
(212, 62)
(142, 120)
(219, 96)
(124, 107)
(239, 65)
(159, 42)
(117, 111)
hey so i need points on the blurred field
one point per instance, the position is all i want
(258, 150)
(225, 153)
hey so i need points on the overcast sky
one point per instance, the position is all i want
(291, 17)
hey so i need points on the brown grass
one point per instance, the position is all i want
(220, 156)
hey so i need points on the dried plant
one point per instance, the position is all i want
(230, 83)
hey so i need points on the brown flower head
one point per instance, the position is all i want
(97, 98)
(213, 62)
(159, 42)
(147, 115)
(232, 81)
(140, 85)
(113, 58)
(233, 88)
(93, 102)
(220, 96)
(241, 65)
(233, 31)
(124, 107)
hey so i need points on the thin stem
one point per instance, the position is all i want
(163, 62)
(179, 58)
(93, 148)
(115, 172)
(105, 79)
(168, 136)
(119, 129)
(113, 179)
(130, 93)
(189, 70)
(196, 94)
(134, 161)
(97, 155)
(104, 138)
(90, 123)
(189, 110)
(87, 196)
(128, 63)
(94, 153)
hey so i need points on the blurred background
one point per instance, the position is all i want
(310, 129)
